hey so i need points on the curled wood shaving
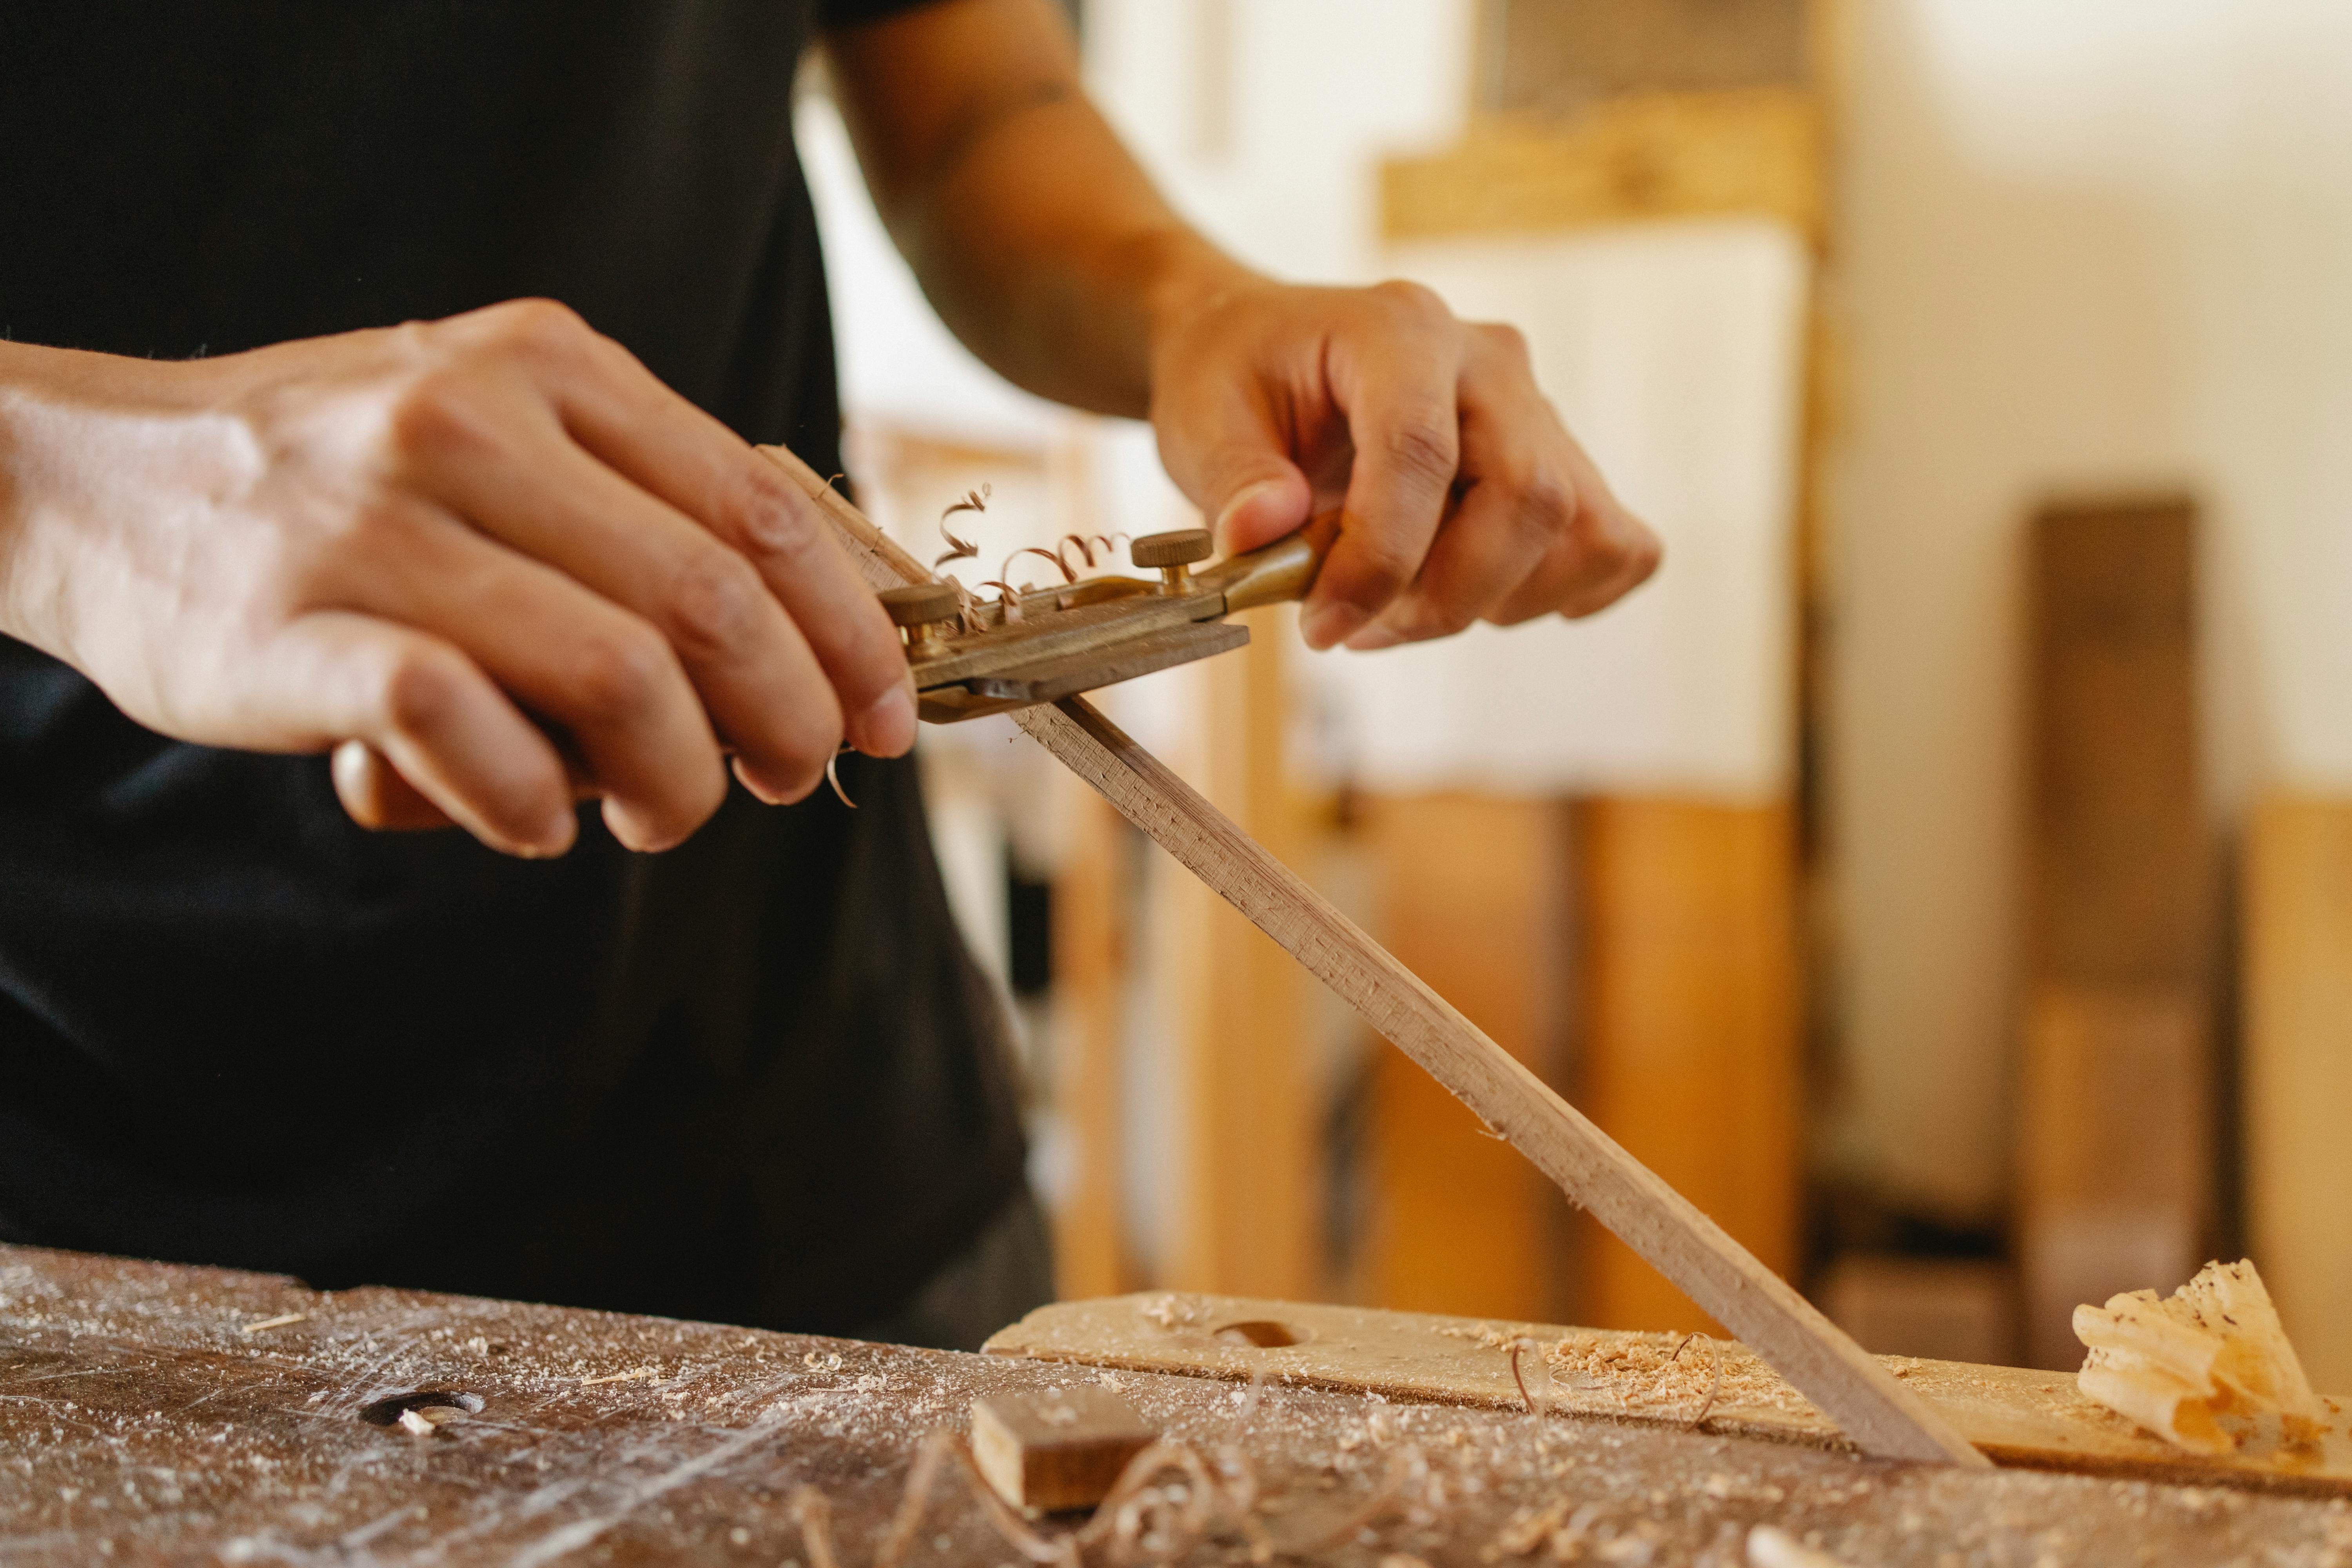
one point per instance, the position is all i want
(960, 549)
(1008, 598)
(1059, 565)
(1715, 1384)
(833, 778)
(1534, 1384)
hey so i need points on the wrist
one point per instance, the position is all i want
(1186, 279)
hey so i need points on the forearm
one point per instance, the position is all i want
(1042, 244)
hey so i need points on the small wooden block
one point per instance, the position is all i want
(1045, 1452)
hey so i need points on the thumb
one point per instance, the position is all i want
(1237, 472)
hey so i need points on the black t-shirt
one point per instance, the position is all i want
(755, 1078)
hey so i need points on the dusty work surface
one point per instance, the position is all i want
(140, 1422)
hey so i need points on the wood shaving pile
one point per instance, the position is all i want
(1643, 1374)
(2179, 1364)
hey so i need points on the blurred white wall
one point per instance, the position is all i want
(2101, 243)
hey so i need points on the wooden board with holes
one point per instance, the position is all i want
(2035, 1420)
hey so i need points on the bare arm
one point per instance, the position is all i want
(1048, 250)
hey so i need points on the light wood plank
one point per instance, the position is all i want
(1472, 899)
(2298, 1053)
(1689, 1039)
(2039, 1420)
(1090, 945)
(1872, 1407)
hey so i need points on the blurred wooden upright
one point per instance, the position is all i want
(1473, 899)
(1640, 955)
(2298, 1059)
(1689, 1030)
(2115, 1172)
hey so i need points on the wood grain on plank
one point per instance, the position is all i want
(1870, 1405)
(2023, 1418)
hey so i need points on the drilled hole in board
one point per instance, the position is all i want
(387, 1412)
(1265, 1335)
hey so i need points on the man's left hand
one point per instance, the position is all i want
(1464, 496)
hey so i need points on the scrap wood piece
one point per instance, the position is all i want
(1662, 1226)
(1062, 1449)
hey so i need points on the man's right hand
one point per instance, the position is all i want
(493, 549)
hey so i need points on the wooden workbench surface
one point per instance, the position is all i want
(138, 1423)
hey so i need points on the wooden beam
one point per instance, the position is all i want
(1818, 1358)
(1473, 899)
(1689, 1045)
(1090, 945)
(2298, 1000)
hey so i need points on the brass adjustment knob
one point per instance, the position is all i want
(921, 607)
(1173, 553)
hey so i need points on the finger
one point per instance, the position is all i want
(522, 480)
(604, 676)
(1606, 552)
(437, 717)
(627, 417)
(1518, 503)
(1232, 459)
(1403, 419)
(378, 797)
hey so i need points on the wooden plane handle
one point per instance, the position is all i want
(1274, 573)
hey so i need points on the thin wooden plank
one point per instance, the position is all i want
(1882, 1415)
(2029, 1419)
(2298, 1063)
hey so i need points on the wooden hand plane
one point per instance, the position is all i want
(972, 657)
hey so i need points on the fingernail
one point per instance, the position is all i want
(759, 790)
(1326, 624)
(887, 728)
(1373, 638)
(1234, 507)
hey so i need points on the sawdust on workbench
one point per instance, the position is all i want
(1643, 1374)
(137, 1423)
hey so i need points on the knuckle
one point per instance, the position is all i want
(1547, 502)
(1415, 302)
(772, 516)
(423, 689)
(713, 604)
(1425, 445)
(536, 325)
(1506, 339)
(619, 674)
(432, 413)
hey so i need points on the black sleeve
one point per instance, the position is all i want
(850, 13)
